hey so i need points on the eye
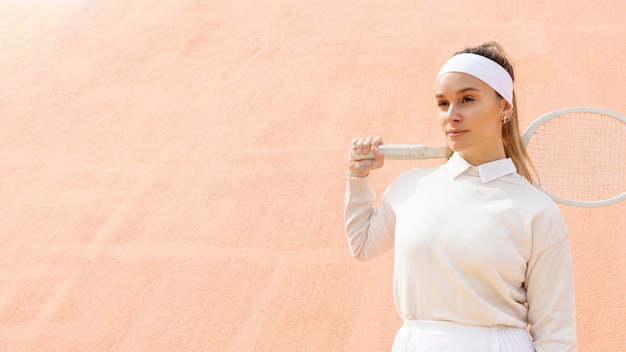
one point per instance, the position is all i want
(442, 103)
(467, 99)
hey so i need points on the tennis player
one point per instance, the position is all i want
(479, 252)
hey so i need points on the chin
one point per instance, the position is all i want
(457, 147)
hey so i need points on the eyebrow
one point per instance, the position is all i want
(460, 91)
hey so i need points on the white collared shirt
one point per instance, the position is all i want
(488, 172)
(475, 245)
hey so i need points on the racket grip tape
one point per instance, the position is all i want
(404, 152)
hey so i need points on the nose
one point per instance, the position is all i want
(453, 114)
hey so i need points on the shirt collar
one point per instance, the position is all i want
(488, 171)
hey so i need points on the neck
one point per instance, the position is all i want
(476, 159)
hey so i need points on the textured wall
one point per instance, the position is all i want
(172, 172)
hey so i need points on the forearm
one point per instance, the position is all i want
(367, 229)
(552, 311)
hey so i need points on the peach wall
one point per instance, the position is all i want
(172, 172)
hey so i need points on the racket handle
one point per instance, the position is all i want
(404, 152)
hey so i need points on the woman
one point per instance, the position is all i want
(479, 252)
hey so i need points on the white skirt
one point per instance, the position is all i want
(440, 336)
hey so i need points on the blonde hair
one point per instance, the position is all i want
(511, 136)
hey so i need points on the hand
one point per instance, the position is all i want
(361, 168)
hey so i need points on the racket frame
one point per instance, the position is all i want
(536, 124)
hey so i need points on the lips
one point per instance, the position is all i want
(456, 133)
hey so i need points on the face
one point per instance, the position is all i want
(470, 115)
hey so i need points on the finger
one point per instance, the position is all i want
(367, 144)
(379, 155)
(360, 145)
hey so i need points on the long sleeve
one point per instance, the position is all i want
(550, 295)
(370, 230)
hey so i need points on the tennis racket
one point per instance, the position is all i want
(579, 155)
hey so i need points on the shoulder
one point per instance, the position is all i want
(535, 198)
(545, 218)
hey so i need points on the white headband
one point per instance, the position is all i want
(484, 69)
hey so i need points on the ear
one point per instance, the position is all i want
(507, 108)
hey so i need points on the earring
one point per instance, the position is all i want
(505, 119)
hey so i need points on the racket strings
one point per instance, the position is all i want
(581, 156)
